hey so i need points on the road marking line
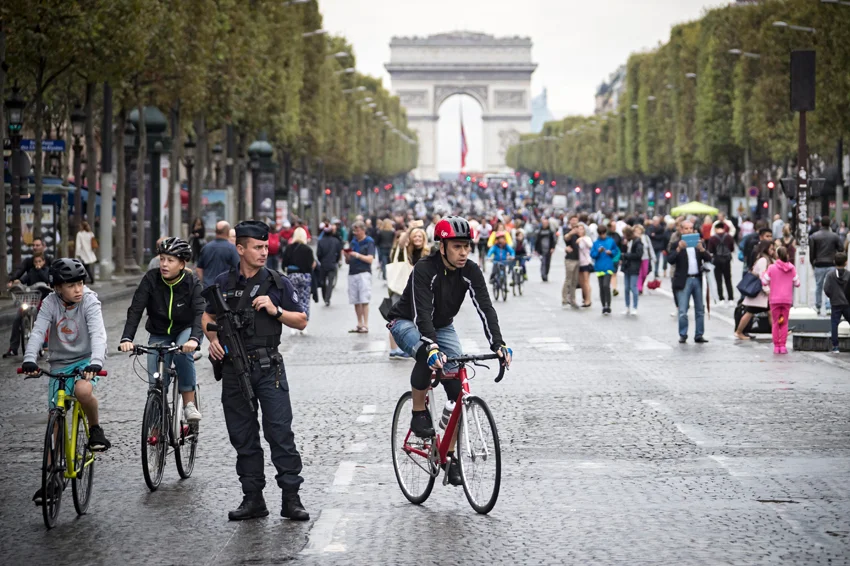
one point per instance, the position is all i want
(369, 409)
(322, 533)
(545, 340)
(365, 418)
(377, 346)
(554, 347)
(357, 447)
(646, 343)
(345, 473)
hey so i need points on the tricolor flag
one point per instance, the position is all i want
(463, 149)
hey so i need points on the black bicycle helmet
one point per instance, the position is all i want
(177, 247)
(67, 270)
(452, 228)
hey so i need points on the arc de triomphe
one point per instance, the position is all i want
(496, 72)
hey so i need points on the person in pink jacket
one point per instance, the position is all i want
(781, 278)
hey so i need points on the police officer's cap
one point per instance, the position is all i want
(252, 229)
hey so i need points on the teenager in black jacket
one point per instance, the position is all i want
(631, 257)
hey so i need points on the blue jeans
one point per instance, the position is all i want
(693, 288)
(659, 257)
(408, 338)
(630, 283)
(820, 275)
(184, 363)
(384, 258)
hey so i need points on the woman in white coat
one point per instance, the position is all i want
(85, 247)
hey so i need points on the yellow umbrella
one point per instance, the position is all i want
(694, 207)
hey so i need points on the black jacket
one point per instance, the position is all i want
(328, 250)
(26, 265)
(823, 246)
(680, 260)
(171, 309)
(545, 234)
(434, 294)
(630, 261)
(659, 237)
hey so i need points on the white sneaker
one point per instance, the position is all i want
(627, 312)
(190, 413)
(303, 332)
(293, 332)
(634, 312)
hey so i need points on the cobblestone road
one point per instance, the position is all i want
(619, 446)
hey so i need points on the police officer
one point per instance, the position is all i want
(267, 301)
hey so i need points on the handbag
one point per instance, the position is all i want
(749, 285)
(385, 307)
(94, 244)
(398, 272)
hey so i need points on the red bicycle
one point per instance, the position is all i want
(418, 461)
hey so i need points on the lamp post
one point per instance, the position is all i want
(796, 28)
(254, 165)
(216, 153)
(130, 264)
(15, 123)
(314, 33)
(189, 161)
(156, 191)
(744, 54)
(78, 125)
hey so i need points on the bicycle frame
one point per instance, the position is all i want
(70, 433)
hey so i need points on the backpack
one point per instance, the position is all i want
(722, 253)
(274, 243)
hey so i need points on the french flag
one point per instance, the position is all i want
(463, 148)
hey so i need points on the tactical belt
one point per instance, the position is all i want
(265, 357)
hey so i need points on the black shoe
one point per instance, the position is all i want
(292, 508)
(683, 339)
(454, 472)
(11, 353)
(97, 440)
(421, 424)
(38, 498)
(253, 506)
(700, 340)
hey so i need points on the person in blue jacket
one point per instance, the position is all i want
(501, 252)
(605, 254)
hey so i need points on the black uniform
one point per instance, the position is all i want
(268, 379)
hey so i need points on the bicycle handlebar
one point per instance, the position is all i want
(138, 350)
(462, 360)
(75, 373)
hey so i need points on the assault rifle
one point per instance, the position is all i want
(228, 324)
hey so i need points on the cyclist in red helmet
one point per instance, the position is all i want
(421, 321)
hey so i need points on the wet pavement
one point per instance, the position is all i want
(618, 446)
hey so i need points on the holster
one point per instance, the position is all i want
(217, 368)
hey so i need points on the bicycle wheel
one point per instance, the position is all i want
(187, 440)
(519, 281)
(26, 329)
(154, 441)
(84, 464)
(496, 290)
(479, 455)
(52, 474)
(415, 473)
(505, 288)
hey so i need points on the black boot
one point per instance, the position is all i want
(421, 424)
(253, 506)
(454, 471)
(292, 508)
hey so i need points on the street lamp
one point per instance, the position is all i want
(690, 75)
(15, 123)
(294, 2)
(217, 152)
(338, 55)
(189, 161)
(634, 106)
(316, 32)
(797, 28)
(744, 54)
(650, 98)
(839, 2)
(78, 124)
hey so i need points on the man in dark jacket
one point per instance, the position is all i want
(630, 260)
(835, 286)
(823, 245)
(329, 254)
(544, 244)
(722, 246)
(659, 237)
(687, 283)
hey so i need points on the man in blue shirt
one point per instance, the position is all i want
(217, 257)
(359, 259)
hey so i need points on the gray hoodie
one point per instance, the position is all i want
(74, 333)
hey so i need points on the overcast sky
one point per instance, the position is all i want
(577, 44)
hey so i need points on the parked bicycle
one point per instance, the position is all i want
(67, 456)
(28, 300)
(418, 461)
(164, 426)
(499, 280)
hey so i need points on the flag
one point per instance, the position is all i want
(463, 149)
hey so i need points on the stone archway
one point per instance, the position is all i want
(494, 71)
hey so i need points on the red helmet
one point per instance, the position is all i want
(452, 228)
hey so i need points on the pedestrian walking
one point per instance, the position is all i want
(411, 247)
(781, 278)
(632, 259)
(265, 298)
(766, 253)
(836, 286)
(660, 237)
(329, 256)
(197, 238)
(571, 263)
(823, 245)
(605, 254)
(359, 259)
(648, 258)
(721, 246)
(544, 244)
(298, 263)
(618, 241)
(789, 243)
(84, 249)
(687, 282)
(384, 243)
(777, 226)
(217, 257)
(585, 263)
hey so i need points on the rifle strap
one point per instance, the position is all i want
(261, 285)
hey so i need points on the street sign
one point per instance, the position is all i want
(46, 145)
(753, 191)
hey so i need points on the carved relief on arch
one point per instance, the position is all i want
(413, 98)
(442, 92)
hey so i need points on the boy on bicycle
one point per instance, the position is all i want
(172, 296)
(72, 317)
(421, 321)
(500, 253)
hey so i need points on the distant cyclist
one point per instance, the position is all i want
(421, 321)
(501, 252)
(172, 297)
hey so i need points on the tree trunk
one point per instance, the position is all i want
(120, 193)
(175, 208)
(200, 168)
(141, 191)
(39, 129)
(3, 250)
(91, 157)
(64, 170)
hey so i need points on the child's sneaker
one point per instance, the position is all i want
(783, 350)
(97, 440)
(777, 350)
(836, 350)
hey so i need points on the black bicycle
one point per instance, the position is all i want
(499, 280)
(163, 426)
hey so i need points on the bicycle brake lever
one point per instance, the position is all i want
(479, 364)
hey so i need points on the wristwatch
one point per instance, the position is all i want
(279, 312)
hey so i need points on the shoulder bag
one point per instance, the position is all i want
(398, 272)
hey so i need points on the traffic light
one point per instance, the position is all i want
(541, 181)
(377, 190)
(650, 203)
(764, 204)
(553, 183)
(360, 193)
(468, 178)
(771, 185)
(504, 184)
(531, 181)
(789, 187)
(598, 190)
(536, 175)
(578, 189)
(327, 191)
(668, 195)
(388, 186)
